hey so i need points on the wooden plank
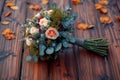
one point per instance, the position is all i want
(64, 68)
(90, 66)
(2, 3)
(10, 67)
(33, 71)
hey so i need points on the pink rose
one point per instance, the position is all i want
(51, 33)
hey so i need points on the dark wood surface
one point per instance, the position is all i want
(74, 63)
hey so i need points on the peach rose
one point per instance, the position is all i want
(34, 30)
(44, 22)
(51, 33)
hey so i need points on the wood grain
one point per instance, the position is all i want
(74, 63)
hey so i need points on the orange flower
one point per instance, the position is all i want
(51, 33)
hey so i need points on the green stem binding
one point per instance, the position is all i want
(99, 46)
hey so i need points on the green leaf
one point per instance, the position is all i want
(35, 59)
(28, 58)
(72, 39)
(42, 49)
(54, 5)
(49, 50)
(58, 47)
(65, 43)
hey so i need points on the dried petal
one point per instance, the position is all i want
(14, 7)
(75, 2)
(82, 26)
(98, 6)
(8, 34)
(10, 4)
(103, 10)
(118, 17)
(35, 7)
(105, 20)
(5, 22)
(7, 14)
(45, 2)
(103, 2)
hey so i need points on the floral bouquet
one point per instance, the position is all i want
(50, 31)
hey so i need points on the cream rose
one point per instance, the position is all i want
(44, 22)
(28, 41)
(34, 30)
(51, 33)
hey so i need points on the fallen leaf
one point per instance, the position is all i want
(103, 2)
(8, 34)
(103, 10)
(75, 2)
(35, 7)
(45, 2)
(7, 14)
(105, 20)
(98, 6)
(83, 26)
(14, 7)
(5, 22)
(10, 4)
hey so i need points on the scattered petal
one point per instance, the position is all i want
(35, 7)
(118, 17)
(45, 2)
(103, 2)
(83, 26)
(7, 14)
(75, 2)
(103, 10)
(5, 22)
(14, 7)
(8, 34)
(10, 4)
(105, 20)
(98, 6)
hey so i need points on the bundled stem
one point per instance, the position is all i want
(99, 46)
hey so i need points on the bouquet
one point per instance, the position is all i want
(49, 31)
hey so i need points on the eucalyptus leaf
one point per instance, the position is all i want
(28, 58)
(58, 47)
(35, 58)
(54, 5)
(65, 43)
(42, 49)
(50, 50)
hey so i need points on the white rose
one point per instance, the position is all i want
(34, 30)
(28, 41)
(44, 22)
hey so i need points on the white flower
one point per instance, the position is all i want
(27, 30)
(28, 41)
(34, 30)
(51, 33)
(37, 15)
(44, 22)
(49, 12)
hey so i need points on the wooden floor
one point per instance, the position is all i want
(74, 63)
